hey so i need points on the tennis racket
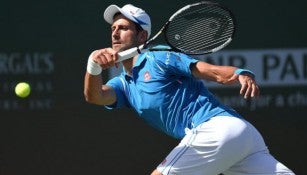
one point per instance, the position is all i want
(198, 28)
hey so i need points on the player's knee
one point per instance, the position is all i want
(156, 172)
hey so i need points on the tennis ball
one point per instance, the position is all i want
(22, 89)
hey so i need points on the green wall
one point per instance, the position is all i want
(55, 132)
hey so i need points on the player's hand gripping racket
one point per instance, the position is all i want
(197, 28)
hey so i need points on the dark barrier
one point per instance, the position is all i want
(54, 131)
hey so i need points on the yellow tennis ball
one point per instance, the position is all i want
(22, 89)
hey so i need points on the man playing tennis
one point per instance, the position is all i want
(164, 88)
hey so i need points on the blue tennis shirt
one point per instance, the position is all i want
(163, 91)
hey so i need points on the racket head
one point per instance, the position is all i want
(200, 28)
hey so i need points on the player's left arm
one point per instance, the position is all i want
(227, 75)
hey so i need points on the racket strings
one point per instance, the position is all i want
(208, 35)
(200, 29)
(193, 42)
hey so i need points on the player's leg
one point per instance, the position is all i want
(259, 161)
(225, 145)
(210, 148)
(156, 172)
(258, 164)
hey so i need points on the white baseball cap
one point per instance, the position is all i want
(131, 12)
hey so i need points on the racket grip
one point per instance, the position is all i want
(126, 54)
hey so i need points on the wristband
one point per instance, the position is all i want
(92, 67)
(244, 71)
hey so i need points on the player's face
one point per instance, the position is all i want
(124, 33)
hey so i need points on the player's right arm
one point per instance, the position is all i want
(95, 91)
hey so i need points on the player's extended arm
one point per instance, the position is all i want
(219, 74)
(227, 75)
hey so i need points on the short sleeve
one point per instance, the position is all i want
(175, 63)
(118, 84)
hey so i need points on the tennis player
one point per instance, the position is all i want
(165, 90)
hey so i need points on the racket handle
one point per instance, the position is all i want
(126, 54)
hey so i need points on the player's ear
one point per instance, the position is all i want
(142, 36)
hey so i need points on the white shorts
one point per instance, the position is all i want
(227, 145)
